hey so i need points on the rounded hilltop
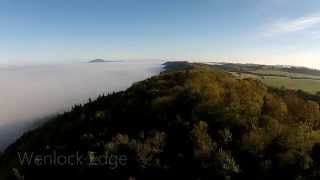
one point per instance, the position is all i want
(102, 61)
(194, 123)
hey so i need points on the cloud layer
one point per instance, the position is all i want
(293, 25)
(31, 93)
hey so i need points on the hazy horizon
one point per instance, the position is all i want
(83, 61)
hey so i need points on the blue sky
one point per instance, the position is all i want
(259, 31)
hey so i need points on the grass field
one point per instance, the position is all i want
(287, 74)
(308, 85)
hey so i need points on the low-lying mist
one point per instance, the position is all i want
(31, 93)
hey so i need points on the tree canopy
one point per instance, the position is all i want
(193, 123)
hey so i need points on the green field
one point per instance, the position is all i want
(287, 74)
(308, 85)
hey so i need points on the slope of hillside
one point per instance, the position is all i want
(290, 77)
(193, 123)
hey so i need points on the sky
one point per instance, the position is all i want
(255, 31)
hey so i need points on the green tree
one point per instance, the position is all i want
(203, 145)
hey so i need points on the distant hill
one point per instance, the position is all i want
(102, 61)
(190, 122)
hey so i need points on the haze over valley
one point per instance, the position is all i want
(31, 93)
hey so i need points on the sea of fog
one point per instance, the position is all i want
(29, 94)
